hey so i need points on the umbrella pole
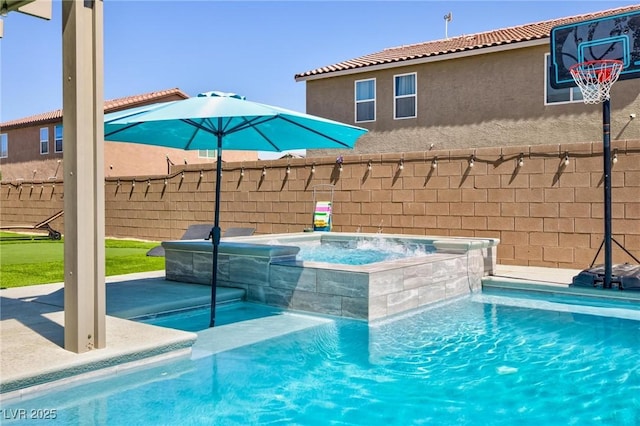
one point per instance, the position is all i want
(215, 233)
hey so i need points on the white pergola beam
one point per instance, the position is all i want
(38, 8)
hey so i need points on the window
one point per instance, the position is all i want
(4, 145)
(365, 100)
(58, 138)
(207, 153)
(405, 98)
(44, 140)
(557, 96)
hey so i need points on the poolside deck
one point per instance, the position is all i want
(32, 355)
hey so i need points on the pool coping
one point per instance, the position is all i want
(555, 281)
(520, 285)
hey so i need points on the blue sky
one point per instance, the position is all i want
(250, 48)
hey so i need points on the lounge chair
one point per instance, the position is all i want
(238, 232)
(45, 224)
(202, 231)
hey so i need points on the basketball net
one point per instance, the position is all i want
(595, 78)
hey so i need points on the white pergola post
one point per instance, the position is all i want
(83, 138)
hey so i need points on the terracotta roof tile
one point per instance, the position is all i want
(521, 33)
(109, 106)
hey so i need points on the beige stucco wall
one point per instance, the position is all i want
(24, 144)
(120, 159)
(494, 99)
(130, 159)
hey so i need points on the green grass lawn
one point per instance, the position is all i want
(40, 261)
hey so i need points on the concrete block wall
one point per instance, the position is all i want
(545, 213)
(31, 202)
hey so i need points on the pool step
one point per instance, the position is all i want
(521, 283)
(229, 295)
(181, 297)
(517, 286)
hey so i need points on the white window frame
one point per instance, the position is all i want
(44, 141)
(55, 137)
(4, 145)
(415, 96)
(575, 95)
(207, 153)
(355, 97)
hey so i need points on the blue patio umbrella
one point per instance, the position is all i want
(226, 121)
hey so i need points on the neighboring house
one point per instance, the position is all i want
(32, 148)
(476, 90)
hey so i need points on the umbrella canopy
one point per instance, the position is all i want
(226, 121)
(243, 125)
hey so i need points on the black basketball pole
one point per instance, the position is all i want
(606, 147)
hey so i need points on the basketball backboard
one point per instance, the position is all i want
(612, 37)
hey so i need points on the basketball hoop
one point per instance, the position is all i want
(595, 78)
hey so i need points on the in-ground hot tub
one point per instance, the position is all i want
(268, 268)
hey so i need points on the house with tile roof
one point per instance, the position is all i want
(478, 90)
(31, 148)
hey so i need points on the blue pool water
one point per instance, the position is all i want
(480, 360)
(359, 252)
(198, 319)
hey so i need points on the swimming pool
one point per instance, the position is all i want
(480, 359)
